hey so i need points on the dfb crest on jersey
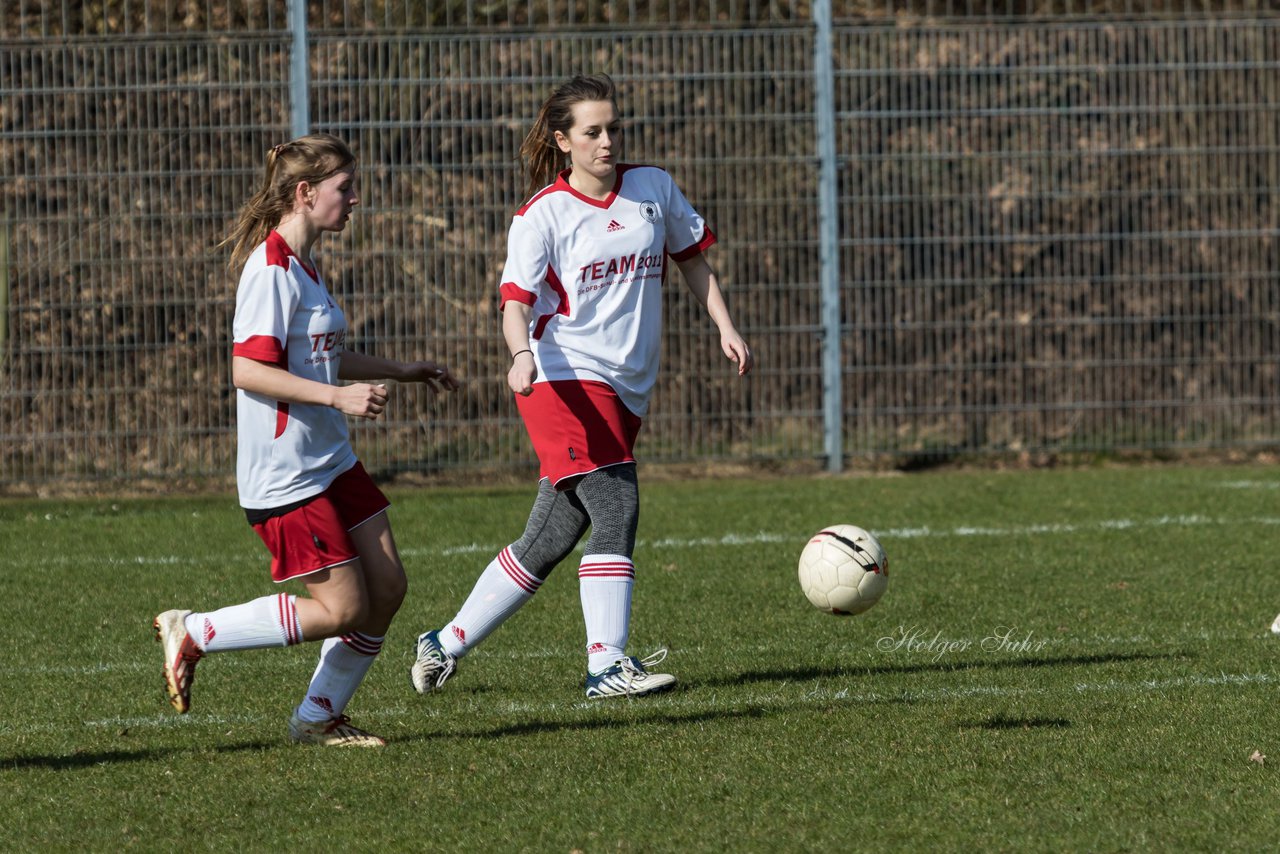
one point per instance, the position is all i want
(649, 210)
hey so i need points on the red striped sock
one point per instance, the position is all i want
(269, 621)
(344, 661)
(502, 588)
(604, 583)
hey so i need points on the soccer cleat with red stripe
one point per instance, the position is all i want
(630, 677)
(432, 666)
(180, 657)
(335, 732)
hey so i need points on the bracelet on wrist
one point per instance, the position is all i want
(518, 352)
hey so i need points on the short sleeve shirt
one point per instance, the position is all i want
(287, 452)
(592, 270)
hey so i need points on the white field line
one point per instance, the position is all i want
(1250, 484)
(923, 653)
(740, 539)
(701, 701)
(725, 540)
(916, 641)
(910, 641)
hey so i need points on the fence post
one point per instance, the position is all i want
(828, 236)
(299, 71)
(4, 290)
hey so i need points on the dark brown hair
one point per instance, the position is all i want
(310, 158)
(543, 160)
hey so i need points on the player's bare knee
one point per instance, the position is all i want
(386, 597)
(349, 615)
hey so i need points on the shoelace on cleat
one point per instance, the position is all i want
(444, 662)
(657, 657)
(341, 726)
(188, 655)
(446, 670)
(635, 669)
(189, 652)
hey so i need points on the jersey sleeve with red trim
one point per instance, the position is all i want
(687, 231)
(525, 274)
(265, 300)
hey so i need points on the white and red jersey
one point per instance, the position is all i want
(593, 270)
(284, 315)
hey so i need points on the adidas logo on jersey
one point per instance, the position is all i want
(614, 225)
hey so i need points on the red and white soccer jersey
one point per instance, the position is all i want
(284, 315)
(593, 270)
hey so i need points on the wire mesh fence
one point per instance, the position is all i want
(1062, 237)
(1055, 235)
(25, 19)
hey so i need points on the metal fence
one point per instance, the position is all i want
(1056, 232)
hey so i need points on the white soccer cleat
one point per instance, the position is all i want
(1275, 625)
(432, 666)
(336, 732)
(630, 677)
(180, 657)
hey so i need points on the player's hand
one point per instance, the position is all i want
(736, 350)
(431, 374)
(524, 370)
(361, 400)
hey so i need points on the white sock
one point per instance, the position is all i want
(605, 582)
(502, 588)
(266, 622)
(343, 663)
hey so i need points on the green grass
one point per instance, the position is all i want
(1123, 718)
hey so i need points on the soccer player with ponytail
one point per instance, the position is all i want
(304, 492)
(581, 315)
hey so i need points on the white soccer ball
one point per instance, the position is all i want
(843, 570)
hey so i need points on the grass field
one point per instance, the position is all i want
(1065, 660)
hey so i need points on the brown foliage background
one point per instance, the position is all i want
(1057, 234)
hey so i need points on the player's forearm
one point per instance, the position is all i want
(361, 366)
(703, 283)
(277, 383)
(515, 326)
(716, 307)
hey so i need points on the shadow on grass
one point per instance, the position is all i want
(657, 715)
(998, 722)
(801, 674)
(89, 758)
(654, 716)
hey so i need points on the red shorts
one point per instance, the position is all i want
(315, 535)
(578, 426)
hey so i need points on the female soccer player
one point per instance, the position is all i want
(303, 490)
(581, 315)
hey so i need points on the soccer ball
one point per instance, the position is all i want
(843, 570)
